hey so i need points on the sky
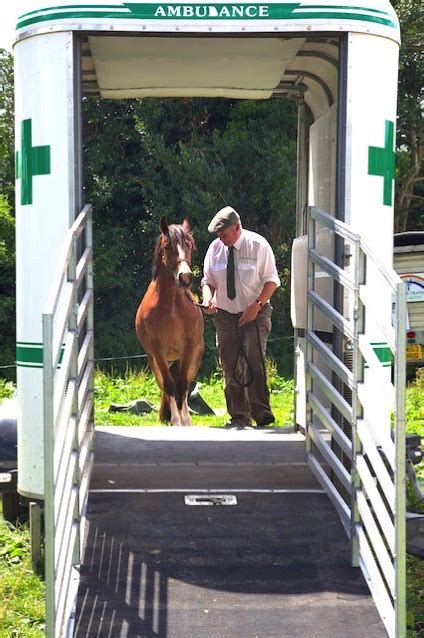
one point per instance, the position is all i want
(7, 24)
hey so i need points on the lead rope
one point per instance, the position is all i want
(242, 353)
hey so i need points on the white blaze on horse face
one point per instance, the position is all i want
(175, 415)
(183, 273)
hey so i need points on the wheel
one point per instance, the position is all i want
(10, 501)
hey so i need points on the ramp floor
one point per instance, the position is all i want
(276, 564)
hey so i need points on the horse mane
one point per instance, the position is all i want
(177, 236)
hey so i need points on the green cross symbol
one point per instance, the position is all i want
(30, 161)
(381, 161)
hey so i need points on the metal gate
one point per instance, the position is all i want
(68, 422)
(357, 452)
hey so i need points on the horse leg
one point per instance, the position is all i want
(182, 394)
(185, 413)
(187, 374)
(189, 369)
(164, 409)
(168, 410)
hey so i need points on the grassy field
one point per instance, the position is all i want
(122, 390)
(22, 593)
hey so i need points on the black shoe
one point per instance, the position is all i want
(266, 418)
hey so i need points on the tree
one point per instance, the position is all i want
(7, 134)
(182, 158)
(409, 200)
(7, 285)
(7, 221)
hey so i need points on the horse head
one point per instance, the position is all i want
(174, 249)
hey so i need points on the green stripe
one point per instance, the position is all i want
(80, 6)
(326, 6)
(129, 5)
(383, 353)
(286, 11)
(30, 354)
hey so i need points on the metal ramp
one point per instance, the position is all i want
(276, 564)
(358, 460)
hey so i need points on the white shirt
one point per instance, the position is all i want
(254, 266)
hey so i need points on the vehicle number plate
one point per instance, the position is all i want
(414, 352)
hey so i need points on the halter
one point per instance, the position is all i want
(177, 261)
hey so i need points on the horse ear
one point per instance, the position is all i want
(163, 226)
(186, 225)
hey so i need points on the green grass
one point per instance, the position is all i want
(110, 389)
(21, 591)
(414, 593)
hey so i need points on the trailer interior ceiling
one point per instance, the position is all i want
(231, 67)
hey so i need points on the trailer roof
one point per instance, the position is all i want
(377, 17)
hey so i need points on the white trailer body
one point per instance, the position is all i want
(338, 60)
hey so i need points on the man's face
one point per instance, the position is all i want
(230, 235)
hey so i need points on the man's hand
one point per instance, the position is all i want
(249, 314)
(209, 308)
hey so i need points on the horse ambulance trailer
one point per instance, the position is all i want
(339, 61)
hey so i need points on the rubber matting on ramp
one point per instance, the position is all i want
(272, 566)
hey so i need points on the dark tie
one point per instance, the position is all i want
(231, 284)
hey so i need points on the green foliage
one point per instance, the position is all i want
(7, 389)
(410, 131)
(415, 424)
(21, 591)
(7, 128)
(7, 284)
(183, 158)
(415, 404)
(7, 222)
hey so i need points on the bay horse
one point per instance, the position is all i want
(168, 324)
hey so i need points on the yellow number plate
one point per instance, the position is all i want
(414, 352)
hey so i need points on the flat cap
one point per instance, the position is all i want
(223, 219)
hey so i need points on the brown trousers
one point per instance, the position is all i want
(244, 403)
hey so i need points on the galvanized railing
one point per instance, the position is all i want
(68, 423)
(357, 450)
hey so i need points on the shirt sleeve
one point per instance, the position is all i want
(208, 277)
(269, 270)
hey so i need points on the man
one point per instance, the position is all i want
(240, 277)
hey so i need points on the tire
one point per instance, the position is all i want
(10, 501)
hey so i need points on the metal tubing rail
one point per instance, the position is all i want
(68, 439)
(72, 235)
(375, 483)
(337, 226)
